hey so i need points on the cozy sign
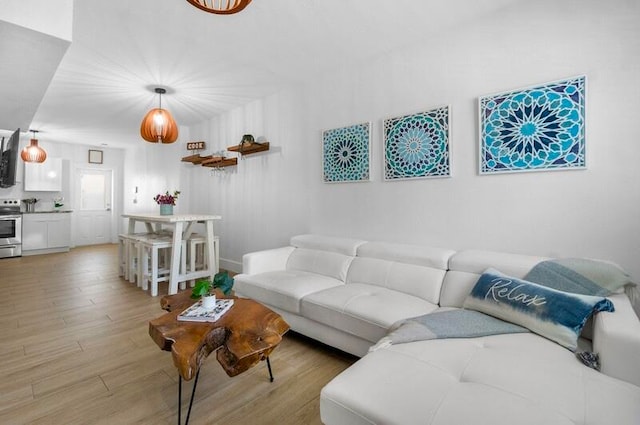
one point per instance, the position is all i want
(194, 146)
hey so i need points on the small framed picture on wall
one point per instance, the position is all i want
(95, 157)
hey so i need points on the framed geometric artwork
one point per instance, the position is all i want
(540, 128)
(417, 146)
(345, 153)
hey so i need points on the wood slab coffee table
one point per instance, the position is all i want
(242, 337)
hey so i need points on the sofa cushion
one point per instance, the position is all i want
(559, 316)
(323, 263)
(436, 258)
(282, 289)
(616, 339)
(496, 380)
(414, 270)
(361, 309)
(465, 267)
(422, 282)
(343, 246)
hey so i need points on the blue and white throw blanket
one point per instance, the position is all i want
(446, 324)
(579, 276)
(556, 315)
(573, 288)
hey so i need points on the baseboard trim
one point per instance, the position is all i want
(232, 266)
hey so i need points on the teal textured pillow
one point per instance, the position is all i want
(556, 315)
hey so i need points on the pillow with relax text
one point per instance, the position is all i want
(556, 315)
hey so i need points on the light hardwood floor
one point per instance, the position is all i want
(75, 349)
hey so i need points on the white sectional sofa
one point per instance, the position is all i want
(348, 294)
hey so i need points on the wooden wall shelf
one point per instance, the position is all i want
(217, 161)
(249, 148)
(220, 162)
(197, 159)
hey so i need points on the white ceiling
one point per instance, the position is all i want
(122, 49)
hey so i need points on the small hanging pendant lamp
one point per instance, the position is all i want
(158, 125)
(220, 7)
(33, 152)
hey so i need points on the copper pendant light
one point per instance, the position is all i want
(220, 7)
(33, 152)
(158, 125)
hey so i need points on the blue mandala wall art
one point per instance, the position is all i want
(417, 146)
(536, 129)
(345, 153)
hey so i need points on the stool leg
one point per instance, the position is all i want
(126, 259)
(192, 260)
(141, 265)
(183, 263)
(145, 267)
(216, 246)
(154, 272)
(133, 262)
(120, 257)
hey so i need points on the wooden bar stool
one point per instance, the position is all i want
(123, 256)
(156, 259)
(128, 256)
(197, 253)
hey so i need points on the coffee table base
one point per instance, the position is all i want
(241, 338)
(193, 393)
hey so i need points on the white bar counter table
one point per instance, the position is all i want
(181, 224)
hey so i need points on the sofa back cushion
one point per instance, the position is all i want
(323, 255)
(465, 268)
(327, 243)
(414, 270)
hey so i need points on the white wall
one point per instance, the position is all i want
(593, 212)
(265, 198)
(153, 168)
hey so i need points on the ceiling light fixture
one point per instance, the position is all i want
(33, 152)
(220, 7)
(158, 125)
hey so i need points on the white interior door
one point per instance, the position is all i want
(94, 214)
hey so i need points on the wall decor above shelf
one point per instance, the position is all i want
(219, 162)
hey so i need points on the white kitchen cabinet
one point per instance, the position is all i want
(43, 177)
(46, 232)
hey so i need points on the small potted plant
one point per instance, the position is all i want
(205, 289)
(58, 202)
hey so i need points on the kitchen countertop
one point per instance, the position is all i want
(47, 212)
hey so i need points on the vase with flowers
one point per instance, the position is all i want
(166, 201)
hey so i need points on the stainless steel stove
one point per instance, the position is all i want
(10, 228)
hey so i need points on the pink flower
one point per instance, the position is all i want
(167, 199)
